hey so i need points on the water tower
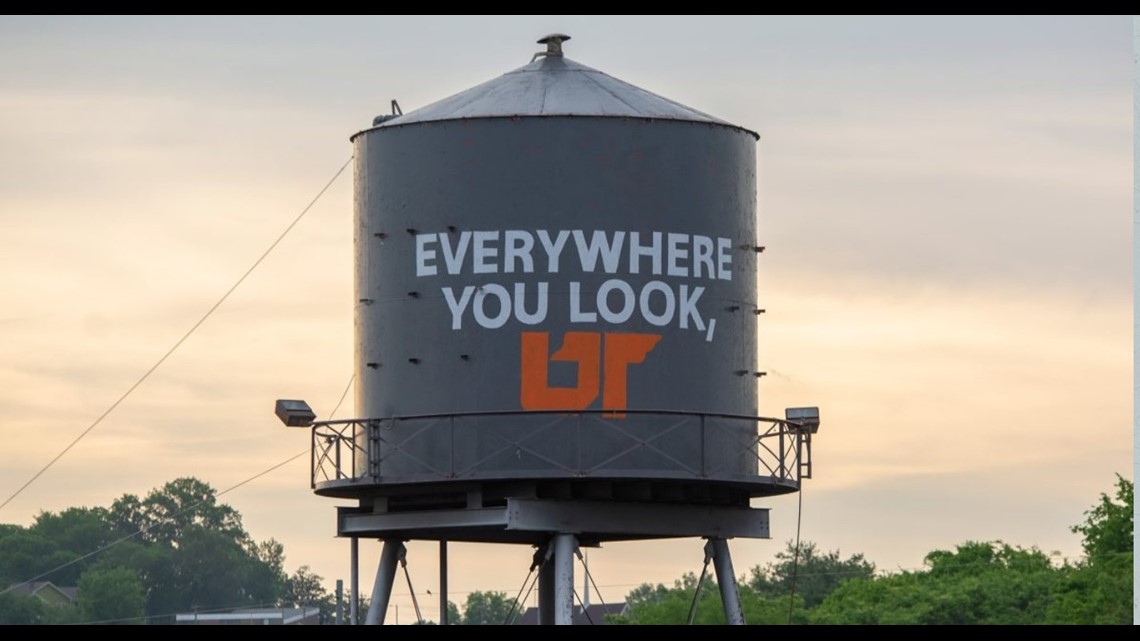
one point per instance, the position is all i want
(556, 309)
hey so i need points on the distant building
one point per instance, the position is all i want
(595, 614)
(309, 615)
(47, 592)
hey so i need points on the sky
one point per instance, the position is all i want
(945, 202)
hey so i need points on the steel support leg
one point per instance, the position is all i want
(546, 591)
(385, 576)
(726, 578)
(354, 579)
(339, 602)
(443, 583)
(564, 547)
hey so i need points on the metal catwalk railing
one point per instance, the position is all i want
(357, 450)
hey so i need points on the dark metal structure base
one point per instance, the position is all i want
(531, 521)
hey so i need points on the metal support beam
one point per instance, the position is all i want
(385, 576)
(531, 521)
(354, 579)
(443, 583)
(628, 518)
(585, 579)
(545, 586)
(339, 602)
(364, 524)
(564, 547)
(726, 578)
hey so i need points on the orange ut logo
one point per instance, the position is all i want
(585, 349)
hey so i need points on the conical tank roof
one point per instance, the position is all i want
(552, 85)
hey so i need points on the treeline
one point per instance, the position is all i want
(180, 551)
(976, 583)
(177, 550)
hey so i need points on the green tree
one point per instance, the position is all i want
(886, 600)
(185, 550)
(816, 574)
(167, 513)
(26, 553)
(487, 608)
(1108, 526)
(73, 532)
(658, 605)
(156, 571)
(112, 595)
(979, 582)
(76, 529)
(194, 553)
(264, 570)
(62, 615)
(305, 588)
(453, 615)
(214, 571)
(1094, 594)
(646, 593)
(1099, 589)
(16, 609)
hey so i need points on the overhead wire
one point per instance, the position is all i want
(179, 342)
(590, 578)
(526, 596)
(412, 591)
(589, 619)
(697, 592)
(351, 380)
(796, 553)
(517, 604)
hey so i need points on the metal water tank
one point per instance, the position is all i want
(556, 296)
